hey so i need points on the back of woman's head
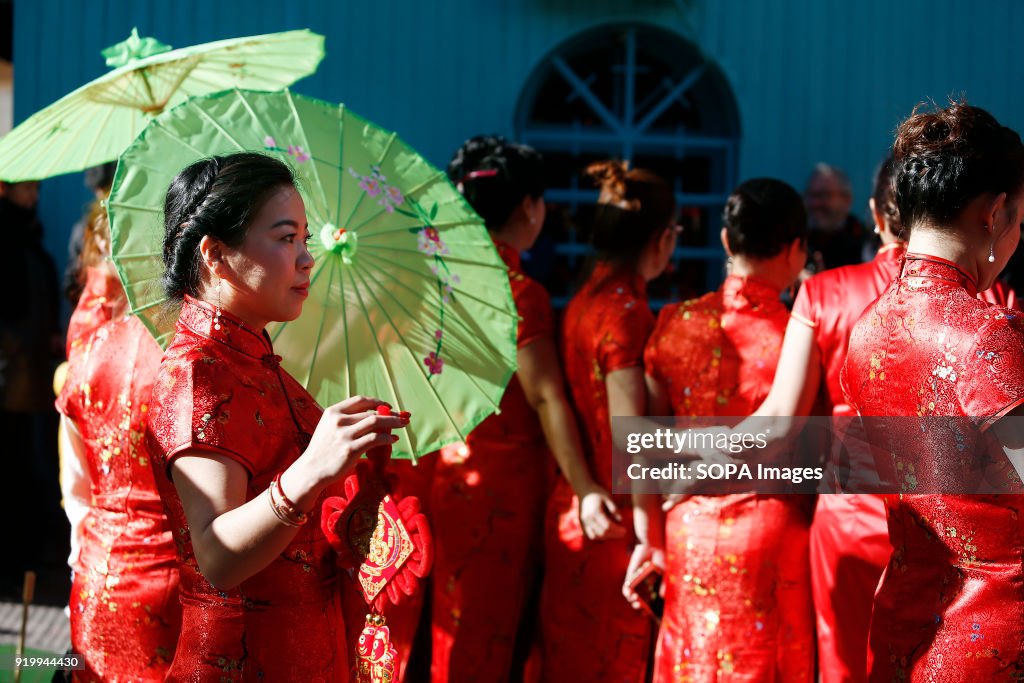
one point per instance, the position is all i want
(944, 158)
(884, 195)
(95, 236)
(95, 248)
(762, 217)
(634, 206)
(495, 175)
(216, 197)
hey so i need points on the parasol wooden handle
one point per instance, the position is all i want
(27, 592)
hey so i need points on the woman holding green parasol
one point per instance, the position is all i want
(242, 451)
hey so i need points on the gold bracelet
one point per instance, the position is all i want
(278, 512)
(286, 503)
(286, 514)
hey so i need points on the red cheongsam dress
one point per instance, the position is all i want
(223, 392)
(487, 512)
(125, 614)
(589, 631)
(101, 300)
(738, 590)
(849, 536)
(949, 606)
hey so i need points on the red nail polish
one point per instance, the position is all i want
(384, 409)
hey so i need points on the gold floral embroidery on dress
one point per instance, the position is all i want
(945, 370)
(876, 366)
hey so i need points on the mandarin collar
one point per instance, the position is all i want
(198, 316)
(739, 292)
(937, 268)
(893, 251)
(509, 254)
(606, 274)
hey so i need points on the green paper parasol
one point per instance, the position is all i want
(409, 300)
(94, 124)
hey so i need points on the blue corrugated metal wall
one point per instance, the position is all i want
(815, 81)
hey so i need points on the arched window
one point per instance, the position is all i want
(649, 96)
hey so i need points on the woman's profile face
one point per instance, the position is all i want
(270, 270)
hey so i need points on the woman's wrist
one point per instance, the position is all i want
(301, 485)
(582, 484)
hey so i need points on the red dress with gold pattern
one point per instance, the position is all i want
(738, 588)
(102, 299)
(224, 392)
(125, 613)
(949, 604)
(487, 512)
(590, 632)
(849, 536)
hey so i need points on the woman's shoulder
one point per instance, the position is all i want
(682, 312)
(986, 323)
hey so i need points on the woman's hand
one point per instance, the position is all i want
(346, 430)
(642, 554)
(599, 517)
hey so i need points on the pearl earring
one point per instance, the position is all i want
(216, 311)
(991, 245)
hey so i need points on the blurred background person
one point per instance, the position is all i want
(99, 180)
(30, 348)
(589, 631)
(125, 613)
(487, 507)
(835, 236)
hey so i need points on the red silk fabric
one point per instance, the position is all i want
(125, 614)
(589, 631)
(849, 535)
(738, 595)
(101, 300)
(832, 301)
(223, 392)
(487, 509)
(948, 604)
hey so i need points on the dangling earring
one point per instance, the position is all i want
(992, 246)
(878, 231)
(216, 309)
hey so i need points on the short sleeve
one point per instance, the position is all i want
(804, 308)
(623, 340)
(994, 367)
(536, 318)
(69, 400)
(653, 361)
(192, 410)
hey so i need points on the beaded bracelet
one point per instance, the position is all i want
(283, 507)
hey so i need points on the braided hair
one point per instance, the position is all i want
(946, 157)
(217, 197)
